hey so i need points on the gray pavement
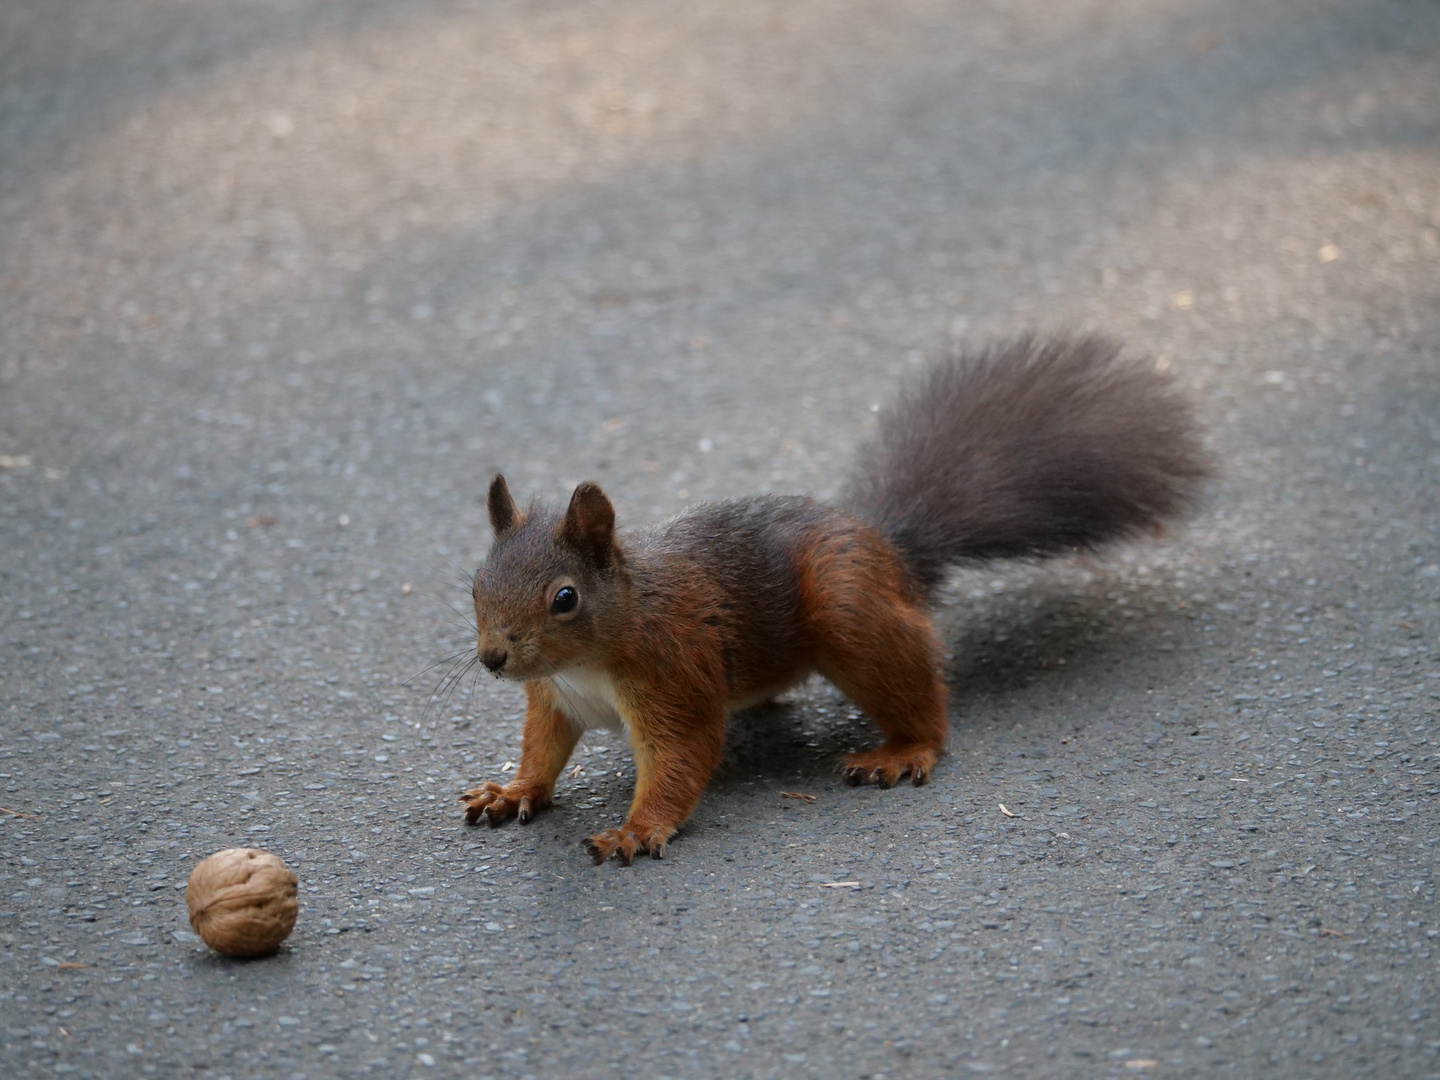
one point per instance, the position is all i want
(283, 283)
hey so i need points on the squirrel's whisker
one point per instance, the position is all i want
(445, 688)
(431, 667)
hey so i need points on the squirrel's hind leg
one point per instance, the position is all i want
(902, 692)
(877, 645)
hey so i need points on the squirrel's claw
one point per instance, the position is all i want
(479, 800)
(889, 765)
(612, 843)
(623, 844)
(496, 805)
(601, 846)
(860, 776)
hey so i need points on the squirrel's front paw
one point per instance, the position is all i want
(495, 804)
(623, 843)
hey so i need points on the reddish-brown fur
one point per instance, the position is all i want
(546, 745)
(873, 639)
(668, 628)
(678, 657)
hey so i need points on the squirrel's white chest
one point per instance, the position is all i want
(587, 697)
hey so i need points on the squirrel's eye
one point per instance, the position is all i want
(565, 601)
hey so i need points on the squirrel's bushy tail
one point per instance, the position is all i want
(1033, 448)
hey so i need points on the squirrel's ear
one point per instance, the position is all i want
(503, 514)
(590, 523)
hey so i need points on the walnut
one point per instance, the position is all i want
(242, 901)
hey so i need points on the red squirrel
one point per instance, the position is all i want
(1035, 448)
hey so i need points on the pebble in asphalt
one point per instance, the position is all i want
(284, 284)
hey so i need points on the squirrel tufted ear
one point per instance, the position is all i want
(590, 523)
(503, 514)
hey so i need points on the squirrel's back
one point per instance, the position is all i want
(1033, 448)
(736, 565)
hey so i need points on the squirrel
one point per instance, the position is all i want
(1039, 447)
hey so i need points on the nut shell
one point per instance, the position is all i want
(242, 901)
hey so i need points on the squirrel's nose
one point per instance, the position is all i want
(494, 659)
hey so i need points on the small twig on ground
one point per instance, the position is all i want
(17, 813)
(839, 884)
(1334, 933)
(1007, 813)
(797, 795)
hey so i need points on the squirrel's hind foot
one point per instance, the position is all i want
(888, 765)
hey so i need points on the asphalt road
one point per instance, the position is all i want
(283, 283)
